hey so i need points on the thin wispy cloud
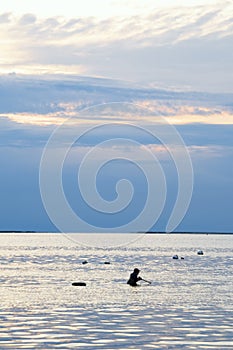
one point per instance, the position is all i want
(49, 100)
(37, 105)
(181, 46)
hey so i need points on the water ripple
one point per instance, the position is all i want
(188, 305)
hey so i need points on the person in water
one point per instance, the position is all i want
(134, 278)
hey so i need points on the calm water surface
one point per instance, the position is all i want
(187, 306)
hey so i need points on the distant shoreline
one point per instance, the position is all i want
(19, 232)
(191, 233)
(148, 232)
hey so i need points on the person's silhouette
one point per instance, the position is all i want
(134, 278)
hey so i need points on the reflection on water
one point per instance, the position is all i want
(188, 305)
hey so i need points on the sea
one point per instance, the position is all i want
(188, 305)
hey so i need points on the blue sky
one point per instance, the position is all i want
(173, 60)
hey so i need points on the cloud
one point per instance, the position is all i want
(5, 18)
(189, 50)
(27, 19)
(50, 100)
(179, 47)
(33, 106)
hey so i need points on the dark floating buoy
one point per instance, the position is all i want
(200, 252)
(84, 262)
(182, 258)
(107, 263)
(175, 257)
(81, 284)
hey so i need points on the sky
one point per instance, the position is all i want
(184, 44)
(157, 73)
(102, 9)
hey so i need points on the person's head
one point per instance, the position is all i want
(136, 271)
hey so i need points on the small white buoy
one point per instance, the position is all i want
(175, 257)
(200, 252)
